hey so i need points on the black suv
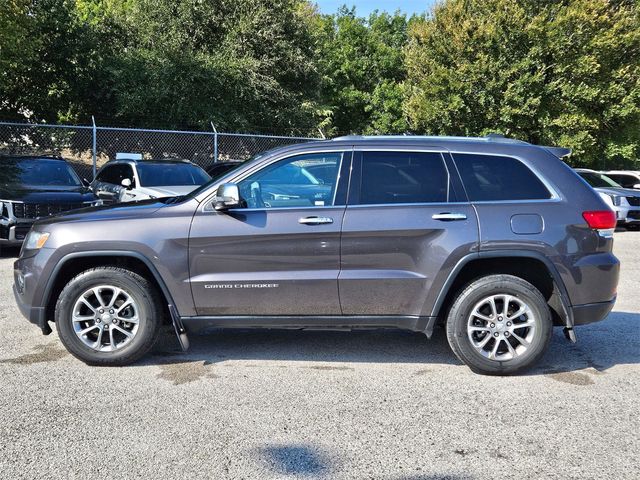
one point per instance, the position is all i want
(33, 187)
(498, 240)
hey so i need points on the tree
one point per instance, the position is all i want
(362, 66)
(241, 64)
(45, 58)
(552, 72)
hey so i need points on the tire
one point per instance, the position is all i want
(133, 328)
(469, 322)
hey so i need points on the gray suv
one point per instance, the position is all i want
(496, 239)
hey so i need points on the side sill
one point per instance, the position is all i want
(338, 322)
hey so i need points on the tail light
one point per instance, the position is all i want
(600, 219)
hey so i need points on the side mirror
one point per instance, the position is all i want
(126, 183)
(227, 196)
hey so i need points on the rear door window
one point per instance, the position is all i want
(498, 178)
(390, 177)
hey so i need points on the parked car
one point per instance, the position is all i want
(625, 178)
(32, 187)
(498, 240)
(625, 202)
(218, 169)
(128, 180)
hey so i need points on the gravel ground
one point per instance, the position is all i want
(280, 405)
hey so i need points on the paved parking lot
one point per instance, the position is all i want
(383, 405)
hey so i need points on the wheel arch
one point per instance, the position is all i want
(74, 263)
(532, 266)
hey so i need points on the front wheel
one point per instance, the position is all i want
(108, 316)
(499, 324)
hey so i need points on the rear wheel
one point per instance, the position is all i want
(499, 324)
(108, 316)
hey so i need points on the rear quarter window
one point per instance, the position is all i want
(498, 178)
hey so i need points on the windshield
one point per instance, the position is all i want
(39, 171)
(170, 174)
(597, 180)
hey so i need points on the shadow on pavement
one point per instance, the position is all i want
(297, 460)
(600, 346)
(615, 341)
(377, 346)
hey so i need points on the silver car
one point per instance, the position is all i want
(624, 201)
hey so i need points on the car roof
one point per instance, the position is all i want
(14, 158)
(495, 142)
(174, 161)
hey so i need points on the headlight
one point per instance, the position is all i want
(616, 199)
(35, 240)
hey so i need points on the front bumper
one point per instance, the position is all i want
(36, 315)
(14, 233)
(633, 216)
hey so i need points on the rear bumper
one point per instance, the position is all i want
(591, 312)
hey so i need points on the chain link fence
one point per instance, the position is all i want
(87, 148)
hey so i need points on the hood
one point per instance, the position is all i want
(143, 208)
(169, 191)
(624, 192)
(46, 194)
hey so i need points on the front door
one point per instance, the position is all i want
(406, 219)
(280, 255)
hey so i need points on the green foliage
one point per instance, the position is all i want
(561, 72)
(40, 63)
(362, 64)
(553, 72)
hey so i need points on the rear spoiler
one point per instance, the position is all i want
(559, 152)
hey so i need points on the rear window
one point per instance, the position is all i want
(495, 178)
(171, 174)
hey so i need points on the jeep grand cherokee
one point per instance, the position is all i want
(496, 239)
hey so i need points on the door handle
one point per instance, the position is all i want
(315, 220)
(449, 217)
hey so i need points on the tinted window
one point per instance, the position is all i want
(597, 180)
(403, 177)
(169, 174)
(489, 178)
(114, 174)
(627, 181)
(290, 183)
(42, 172)
(217, 170)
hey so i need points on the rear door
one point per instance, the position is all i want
(407, 222)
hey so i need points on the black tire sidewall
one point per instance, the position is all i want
(135, 286)
(475, 292)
